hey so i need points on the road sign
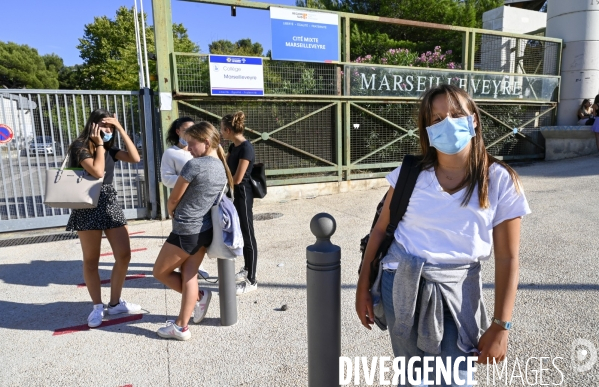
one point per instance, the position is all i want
(236, 75)
(6, 134)
(304, 36)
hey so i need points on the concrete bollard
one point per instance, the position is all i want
(323, 277)
(227, 291)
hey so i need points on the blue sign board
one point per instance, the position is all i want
(304, 35)
(236, 75)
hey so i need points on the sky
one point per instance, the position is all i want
(55, 26)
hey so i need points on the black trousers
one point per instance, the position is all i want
(244, 204)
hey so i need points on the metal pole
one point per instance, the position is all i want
(227, 291)
(140, 70)
(143, 29)
(163, 30)
(323, 276)
(149, 150)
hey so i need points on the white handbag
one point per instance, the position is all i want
(71, 188)
(217, 248)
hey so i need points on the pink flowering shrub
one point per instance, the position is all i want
(403, 57)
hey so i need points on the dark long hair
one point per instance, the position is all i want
(171, 136)
(479, 161)
(95, 117)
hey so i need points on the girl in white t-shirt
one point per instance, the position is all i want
(465, 203)
(175, 158)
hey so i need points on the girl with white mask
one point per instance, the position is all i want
(96, 151)
(464, 204)
(175, 158)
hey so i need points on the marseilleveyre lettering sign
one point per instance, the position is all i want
(389, 81)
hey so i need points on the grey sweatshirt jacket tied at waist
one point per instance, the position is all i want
(458, 286)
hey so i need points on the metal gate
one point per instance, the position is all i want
(45, 123)
(298, 142)
(355, 117)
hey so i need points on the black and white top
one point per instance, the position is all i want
(78, 153)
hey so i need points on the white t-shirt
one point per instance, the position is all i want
(437, 228)
(173, 161)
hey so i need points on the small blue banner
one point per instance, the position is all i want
(236, 75)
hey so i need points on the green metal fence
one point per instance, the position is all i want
(192, 77)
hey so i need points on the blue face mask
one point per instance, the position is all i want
(182, 141)
(107, 137)
(451, 135)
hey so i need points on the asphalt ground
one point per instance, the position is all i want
(43, 311)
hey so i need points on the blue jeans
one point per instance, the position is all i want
(408, 348)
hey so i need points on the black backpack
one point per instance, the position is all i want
(408, 174)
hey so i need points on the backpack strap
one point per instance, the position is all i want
(408, 174)
(219, 197)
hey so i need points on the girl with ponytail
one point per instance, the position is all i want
(240, 159)
(175, 158)
(201, 180)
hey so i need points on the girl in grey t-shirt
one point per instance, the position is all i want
(201, 180)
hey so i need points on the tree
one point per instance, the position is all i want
(465, 13)
(375, 43)
(372, 38)
(109, 52)
(53, 62)
(319, 4)
(71, 78)
(22, 67)
(241, 47)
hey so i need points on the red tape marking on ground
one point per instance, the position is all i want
(107, 281)
(107, 323)
(133, 233)
(111, 253)
(128, 385)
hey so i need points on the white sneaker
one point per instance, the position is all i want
(242, 275)
(123, 307)
(95, 317)
(203, 274)
(246, 287)
(170, 331)
(199, 312)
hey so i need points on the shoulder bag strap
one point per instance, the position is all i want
(64, 163)
(61, 169)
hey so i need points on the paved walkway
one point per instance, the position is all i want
(40, 297)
